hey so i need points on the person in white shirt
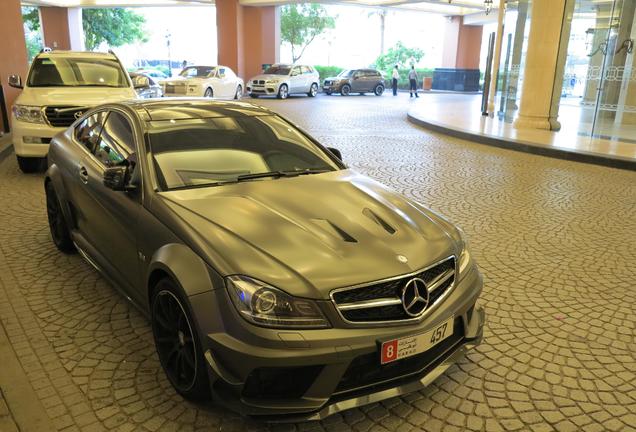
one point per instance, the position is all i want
(413, 82)
(396, 77)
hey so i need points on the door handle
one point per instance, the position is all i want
(83, 175)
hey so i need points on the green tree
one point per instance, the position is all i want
(300, 24)
(115, 26)
(398, 55)
(32, 36)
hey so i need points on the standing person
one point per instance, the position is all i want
(396, 77)
(184, 64)
(413, 82)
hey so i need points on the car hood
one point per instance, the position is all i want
(334, 78)
(74, 96)
(181, 80)
(310, 234)
(270, 77)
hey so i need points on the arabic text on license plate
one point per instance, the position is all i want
(408, 346)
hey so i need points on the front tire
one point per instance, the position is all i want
(208, 92)
(379, 89)
(29, 165)
(239, 92)
(177, 342)
(253, 96)
(313, 90)
(345, 90)
(57, 224)
(283, 92)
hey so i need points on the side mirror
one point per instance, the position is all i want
(15, 81)
(335, 152)
(116, 178)
(141, 82)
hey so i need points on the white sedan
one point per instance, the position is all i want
(209, 81)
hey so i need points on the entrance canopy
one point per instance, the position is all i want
(443, 7)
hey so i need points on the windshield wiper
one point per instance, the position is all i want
(279, 174)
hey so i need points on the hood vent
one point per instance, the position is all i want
(332, 228)
(377, 219)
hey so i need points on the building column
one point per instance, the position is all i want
(12, 49)
(545, 63)
(76, 29)
(462, 44)
(247, 36)
(55, 27)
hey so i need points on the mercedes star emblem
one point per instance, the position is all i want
(415, 297)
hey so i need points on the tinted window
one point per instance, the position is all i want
(222, 73)
(76, 72)
(296, 70)
(198, 152)
(197, 71)
(277, 70)
(346, 73)
(116, 140)
(306, 69)
(88, 131)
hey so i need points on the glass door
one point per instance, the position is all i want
(615, 117)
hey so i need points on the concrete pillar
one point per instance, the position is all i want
(517, 50)
(545, 62)
(13, 53)
(55, 27)
(462, 44)
(76, 29)
(501, 13)
(247, 36)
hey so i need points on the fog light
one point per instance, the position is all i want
(31, 140)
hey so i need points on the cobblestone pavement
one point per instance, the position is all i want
(556, 241)
(7, 422)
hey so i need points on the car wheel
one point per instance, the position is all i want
(57, 224)
(313, 90)
(30, 165)
(329, 92)
(283, 92)
(208, 92)
(177, 343)
(345, 90)
(253, 96)
(239, 92)
(379, 89)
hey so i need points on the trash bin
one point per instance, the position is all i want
(428, 83)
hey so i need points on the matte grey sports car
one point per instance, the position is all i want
(277, 280)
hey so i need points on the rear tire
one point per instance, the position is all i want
(177, 342)
(345, 90)
(283, 92)
(57, 224)
(313, 90)
(30, 165)
(379, 89)
(208, 92)
(239, 92)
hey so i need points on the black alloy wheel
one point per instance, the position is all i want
(345, 90)
(208, 92)
(379, 89)
(177, 344)
(57, 224)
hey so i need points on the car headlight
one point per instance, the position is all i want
(271, 81)
(26, 113)
(265, 305)
(464, 254)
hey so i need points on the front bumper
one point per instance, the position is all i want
(308, 375)
(263, 89)
(32, 133)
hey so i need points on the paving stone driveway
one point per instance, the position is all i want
(556, 241)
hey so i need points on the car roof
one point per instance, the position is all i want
(77, 54)
(192, 108)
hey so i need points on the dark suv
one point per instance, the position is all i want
(355, 81)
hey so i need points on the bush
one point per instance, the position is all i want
(328, 71)
(403, 82)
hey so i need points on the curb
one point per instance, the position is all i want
(5, 149)
(528, 147)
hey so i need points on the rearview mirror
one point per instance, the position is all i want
(15, 81)
(141, 82)
(116, 178)
(335, 152)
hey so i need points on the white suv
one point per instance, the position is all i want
(60, 86)
(282, 80)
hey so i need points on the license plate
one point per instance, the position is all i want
(408, 346)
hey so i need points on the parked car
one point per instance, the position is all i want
(153, 73)
(209, 81)
(276, 279)
(60, 86)
(355, 81)
(145, 85)
(283, 80)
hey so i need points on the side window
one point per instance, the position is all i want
(117, 140)
(295, 71)
(88, 131)
(306, 70)
(221, 72)
(229, 73)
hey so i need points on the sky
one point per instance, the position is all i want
(355, 42)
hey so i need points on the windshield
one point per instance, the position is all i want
(278, 70)
(197, 71)
(77, 72)
(345, 73)
(200, 152)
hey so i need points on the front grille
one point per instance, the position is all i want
(327, 82)
(382, 301)
(280, 383)
(175, 88)
(258, 82)
(62, 116)
(366, 370)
